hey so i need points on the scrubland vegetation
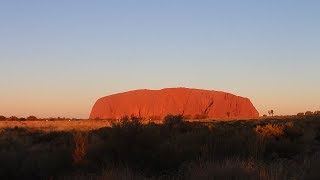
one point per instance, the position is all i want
(56, 125)
(269, 148)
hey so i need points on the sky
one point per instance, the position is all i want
(58, 57)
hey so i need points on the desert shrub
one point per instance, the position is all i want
(293, 130)
(285, 139)
(44, 164)
(51, 119)
(127, 121)
(22, 119)
(148, 147)
(32, 118)
(24, 154)
(2, 118)
(124, 120)
(80, 149)
(227, 169)
(128, 145)
(243, 169)
(60, 118)
(270, 130)
(172, 120)
(229, 140)
(136, 120)
(309, 113)
(13, 118)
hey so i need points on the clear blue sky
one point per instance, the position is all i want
(58, 57)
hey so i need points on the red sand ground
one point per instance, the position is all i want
(158, 103)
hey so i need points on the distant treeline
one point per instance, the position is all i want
(309, 113)
(152, 118)
(34, 118)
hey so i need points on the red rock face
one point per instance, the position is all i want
(156, 104)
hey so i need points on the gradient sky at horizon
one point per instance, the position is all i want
(58, 57)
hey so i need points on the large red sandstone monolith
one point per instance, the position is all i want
(156, 104)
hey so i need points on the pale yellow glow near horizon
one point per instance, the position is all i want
(74, 105)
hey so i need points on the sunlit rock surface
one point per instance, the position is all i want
(156, 104)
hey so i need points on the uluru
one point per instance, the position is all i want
(156, 104)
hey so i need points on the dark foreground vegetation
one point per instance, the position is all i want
(282, 148)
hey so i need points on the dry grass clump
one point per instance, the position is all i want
(278, 130)
(81, 148)
(270, 130)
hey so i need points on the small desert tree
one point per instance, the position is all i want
(136, 120)
(124, 120)
(130, 121)
(271, 113)
(2, 118)
(14, 118)
(22, 119)
(309, 113)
